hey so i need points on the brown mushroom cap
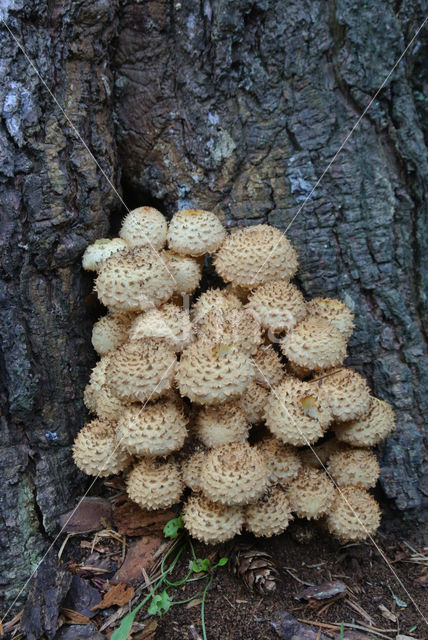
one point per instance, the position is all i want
(251, 256)
(282, 460)
(268, 366)
(311, 494)
(270, 515)
(376, 425)
(99, 251)
(232, 326)
(253, 401)
(134, 280)
(335, 312)
(295, 413)
(212, 374)
(214, 299)
(141, 370)
(194, 232)
(110, 332)
(278, 305)
(155, 485)
(314, 344)
(220, 425)
(95, 450)
(211, 522)
(168, 322)
(144, 226)
(358, 467)
(346, 392)
(186, 271)
(354, 515)
(155, 429)
(234, 474)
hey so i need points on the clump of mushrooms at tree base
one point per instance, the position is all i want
(179, 394)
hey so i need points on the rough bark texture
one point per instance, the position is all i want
(237, 106)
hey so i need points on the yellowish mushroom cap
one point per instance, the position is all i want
(270, 515)
(155, 485)
(194, 232)
(168, 322)
(335, 312)
(110, 332)
(141, 370)
(209, 522)
(186, 272)
(376, 425)
(232, 326)
(268, 366)
(95, 451)
(346, 392)
(234, 474)
(358, 467)
(155, 429)
(99, 251)
(278, 305)
(220, 425)
(214, 299)
(311, 494)
(134, 280)
(253, 401)
(296, 413)
(97, 397)
(314, 344)
(282, 460)
(144, 226)
(354, 515)
(213, 374)
(251, 256)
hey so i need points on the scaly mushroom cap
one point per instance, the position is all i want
(354, 515)
(213, 299)
(144, 227)
(311, 494)
(186, 272)
(335, 312)
(134, 280)
(296, 413)
(211, 523)
(270, 515)
(278, 305)
(95, 451)
(253, 401)
(346, 392)
(234, 474)
(97, 397)
(192, 468)
(212, 374)
(194, 232)
(232, 326)
(110, 332)
(318, 456)
(251, 256)
(220, 425)
(155, 485)
(268, 366)
(99, 251)
(358, 467)
(155, 429)
(141, 370)
(282, 460)
(315, 344)
(168, 322)
(370, 430)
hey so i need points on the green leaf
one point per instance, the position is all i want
(222, 562)
(201, 565)
(160, 604)
(172, 527)
(123, 631)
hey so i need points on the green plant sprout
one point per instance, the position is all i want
(160, 603)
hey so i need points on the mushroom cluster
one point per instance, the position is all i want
(241, 395)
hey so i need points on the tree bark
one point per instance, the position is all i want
(234, 106)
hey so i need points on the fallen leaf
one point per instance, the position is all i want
(74, 617)
(386, 613)
(322, 591)
(194, 603)
(118, 594)
(288, 628)
(148, 633)
(140, 554)
(131, 520)
(92, 514)
(422, 581)
(309, 406)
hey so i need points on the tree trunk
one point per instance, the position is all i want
(234, 106)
